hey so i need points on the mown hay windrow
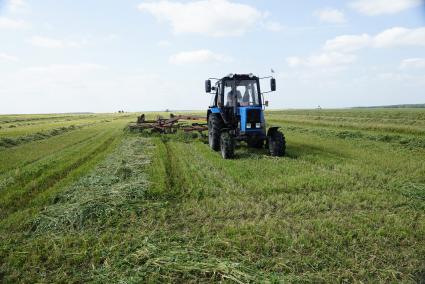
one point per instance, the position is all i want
(404, 141)
(7, 142)
(108, 191)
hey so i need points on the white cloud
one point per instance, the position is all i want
(46, 42)
(17, 6)
(348, 43)
(7, 23)
(206, 17)
(273, 26)
(294, 61)
(400, 37)
(389, 38)
(337, 52)
(198, 56)
(403, 78)
(379, 7)
(10, 22)
(333, 16)
(323, 60)
(7, 57)
(412, 63)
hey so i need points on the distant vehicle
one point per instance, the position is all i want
(236, 114)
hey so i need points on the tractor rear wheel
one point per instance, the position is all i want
(227, 144)
(277, 144)
(255, 143)
(214, 127)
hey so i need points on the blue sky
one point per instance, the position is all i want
(103, 56)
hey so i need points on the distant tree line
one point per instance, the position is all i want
(398, 106)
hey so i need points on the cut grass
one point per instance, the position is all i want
(8, 142)
(401, 121)
(24, 154)
(29, 126)
(344, 205)
(330, 218)
(93, 200)
(29, 182)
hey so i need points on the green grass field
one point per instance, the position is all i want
(83, 200)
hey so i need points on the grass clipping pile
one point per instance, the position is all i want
(111, 189)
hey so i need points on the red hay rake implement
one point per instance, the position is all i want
(170, 125)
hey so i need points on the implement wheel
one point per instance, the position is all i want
(227, 145)
(276, 143)
(214, 127)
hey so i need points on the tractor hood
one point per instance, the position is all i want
(252, 119)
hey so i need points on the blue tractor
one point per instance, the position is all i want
(236, 114)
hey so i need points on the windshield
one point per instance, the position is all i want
(241, 92)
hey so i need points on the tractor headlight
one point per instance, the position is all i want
(258, 125)
(248, 125)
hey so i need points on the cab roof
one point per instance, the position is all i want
(240, 77)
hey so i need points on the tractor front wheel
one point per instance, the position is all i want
(276, 143)
(214, 127)
(227, 144)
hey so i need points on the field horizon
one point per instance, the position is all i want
(406, 105)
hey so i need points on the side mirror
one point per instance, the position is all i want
(273, 84)
(208, 86)
(266, 103)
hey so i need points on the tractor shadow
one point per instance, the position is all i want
(243, 152)
(298, 150)
(293, 151)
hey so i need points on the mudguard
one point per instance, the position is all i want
(215, 110)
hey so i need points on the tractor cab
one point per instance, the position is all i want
(237, 110)
(242, 96)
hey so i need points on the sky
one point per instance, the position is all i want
(142, 55)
